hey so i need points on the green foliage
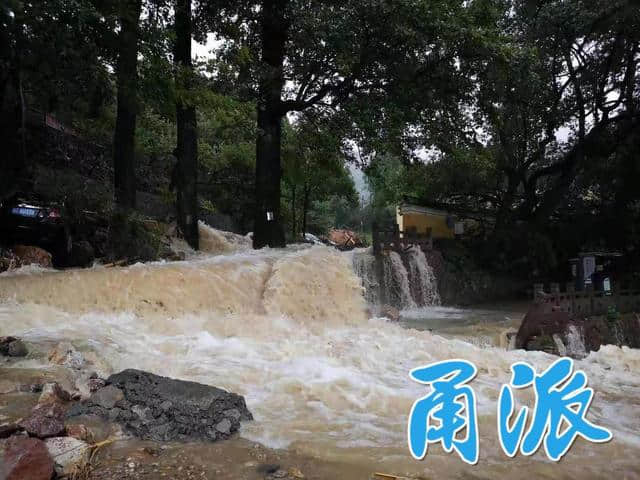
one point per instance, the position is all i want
(132, 237)
(387, 178)
(315, 179)
(521, 112)
(155, 135)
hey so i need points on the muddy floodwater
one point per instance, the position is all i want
(328, 386)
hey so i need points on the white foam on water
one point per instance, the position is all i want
(435, 312)
(395, 281)
(422, 279)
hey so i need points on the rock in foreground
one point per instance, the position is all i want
(12, 347)
(32, 255)
(46, 420)
(158, 408)
(565, 334)
(68, 454)
(26, 458)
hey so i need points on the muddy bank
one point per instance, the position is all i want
(233, 459)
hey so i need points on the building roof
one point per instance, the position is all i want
(596, 254)
(408, 208)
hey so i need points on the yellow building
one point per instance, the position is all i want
(417, 219)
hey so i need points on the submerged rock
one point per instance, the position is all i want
(508, 338)
(8, 429)
(390, 312)
(12, 347)
(26, 458)
(66, 354)
(158, 408)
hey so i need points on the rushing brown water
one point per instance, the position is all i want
(288, 330)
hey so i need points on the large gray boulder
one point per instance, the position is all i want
(158, 408)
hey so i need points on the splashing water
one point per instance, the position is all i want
(575, 342)
(288, 330)
(364, 266)
(395, 281)
(404, 283)
(218, 242)
(422, 280)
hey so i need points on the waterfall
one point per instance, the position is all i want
(575, 343)
(404, 283)
(562, 350)
(395, 281)
(422, 279)
(364, 265)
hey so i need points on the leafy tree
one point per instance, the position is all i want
(299, 55)
(550, 119)
(49, 60)
(314, 170)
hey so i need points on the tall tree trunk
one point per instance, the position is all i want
(268, 229)
(127, 80)
(305, 208)
(187, 148)
(293, 212)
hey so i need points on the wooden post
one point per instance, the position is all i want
(538, 291)
(396, 237)
(571, 293)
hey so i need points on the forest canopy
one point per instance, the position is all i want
(522, 111)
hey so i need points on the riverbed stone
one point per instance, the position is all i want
(8, 429)
(164, 409)
(79, 431)
(12, 347)
(390, 312)
(224, 426)
(8, 386)
(95, 384)
(66, 354)
(46, 420)
(17, 349)
(107, 397)
(26, 458)
(67, 453)
(52, 392)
